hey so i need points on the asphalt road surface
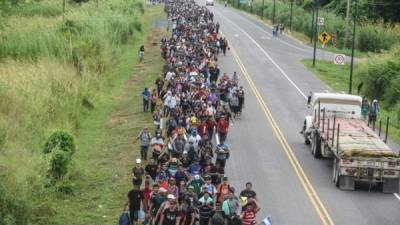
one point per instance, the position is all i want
(267, 149)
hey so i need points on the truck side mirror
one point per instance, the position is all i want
(309, 100)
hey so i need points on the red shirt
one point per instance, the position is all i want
(210, 124)
(222, 126)
(201, 129)
(249, 217)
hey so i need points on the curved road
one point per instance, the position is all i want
(267, 149)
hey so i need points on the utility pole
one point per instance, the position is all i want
(273, 15)
(291, 15)
(262, 9)
(346, 29)
(316, 2)
(63, 9)
(352, 47)
(312, 24)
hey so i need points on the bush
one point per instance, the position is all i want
(61, 146)
(60, 140)
(381, 77)
(376, 37)
(371, 36)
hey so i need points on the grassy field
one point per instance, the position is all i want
(337, 78)
(87, 83)
(106, 152)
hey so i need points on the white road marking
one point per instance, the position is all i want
(268, 56)
(264, 37)
(268, 33)
(397, 196)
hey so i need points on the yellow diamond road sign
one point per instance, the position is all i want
(324, 37)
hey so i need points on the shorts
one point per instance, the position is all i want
(134, 215)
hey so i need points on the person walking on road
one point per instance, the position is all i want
(248, 216)
(247, 194)
(222, 152)
(222, 128)
(146, 98)
(281, 28)
(224, 45)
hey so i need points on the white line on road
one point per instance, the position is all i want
(268, 56)
(397, 196)
(268, 33)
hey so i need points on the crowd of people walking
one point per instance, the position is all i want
(183, 181)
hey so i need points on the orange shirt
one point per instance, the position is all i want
(223, 189)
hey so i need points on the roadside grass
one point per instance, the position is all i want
(43, 94)
(336, 77)
(101, 171)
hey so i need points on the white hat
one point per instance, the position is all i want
(170, 196)
(162, 190)
(138, 161)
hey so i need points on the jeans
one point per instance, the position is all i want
(222, 136)
(145, 105)
(143, 151)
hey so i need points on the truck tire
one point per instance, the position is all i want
(306, 140)
(335, 176)
(316, 145)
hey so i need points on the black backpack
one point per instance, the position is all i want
(124, 219)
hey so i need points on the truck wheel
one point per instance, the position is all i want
(335, 177)
(306, 140)
(316, 146)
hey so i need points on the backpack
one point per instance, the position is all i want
(235, 220)
(148, 137)
(124, 219)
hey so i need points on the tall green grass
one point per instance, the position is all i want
(51, 73)
(371, 36)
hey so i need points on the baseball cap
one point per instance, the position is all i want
(171, 197)
(138, 161)
(162, 190)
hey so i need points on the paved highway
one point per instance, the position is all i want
(267, 149)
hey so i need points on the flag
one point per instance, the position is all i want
(267, 221)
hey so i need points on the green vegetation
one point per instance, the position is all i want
(379, 78)
(66, 75)
(372, 35)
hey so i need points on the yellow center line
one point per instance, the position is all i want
(315, 200)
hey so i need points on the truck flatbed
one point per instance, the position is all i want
(356, 139)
